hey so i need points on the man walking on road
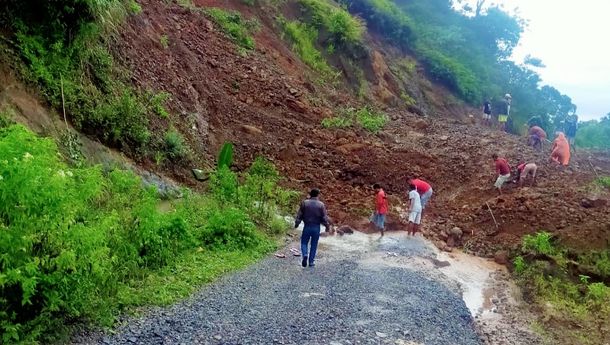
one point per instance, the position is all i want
(313, 213)
(502, 170)
(415, 209)
(381, 208)
(425, 192)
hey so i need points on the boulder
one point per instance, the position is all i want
(456, 232)
(592, 203)
(251, 129)
(501, 257)
(345, 229)
(200, 175)
(297, 106)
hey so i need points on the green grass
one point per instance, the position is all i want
(303, 38)
(604, 181)
(337, 122)
(365, 117)
(79, 244)
(164, 41)
(234, 26)
(543, 271)
(343, 28)
(189, 271)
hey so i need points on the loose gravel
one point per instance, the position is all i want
(340, 301)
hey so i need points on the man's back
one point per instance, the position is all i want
(312, 211)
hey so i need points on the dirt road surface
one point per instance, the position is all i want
(363, 290)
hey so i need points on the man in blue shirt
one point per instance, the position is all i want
(313, 213)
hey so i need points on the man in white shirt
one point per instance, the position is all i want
(414, 210)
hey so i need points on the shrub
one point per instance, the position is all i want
(539, 243)
(175, 147)
(371, 120)
(158, 102)
(74, 239)
(519, 264)
(343, 28)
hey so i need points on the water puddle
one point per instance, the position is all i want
(474, 276)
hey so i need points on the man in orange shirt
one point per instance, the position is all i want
(381, 208)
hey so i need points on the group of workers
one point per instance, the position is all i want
(312, 212)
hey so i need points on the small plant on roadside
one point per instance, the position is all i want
(519, 264)
(164, 41)
(540, 243)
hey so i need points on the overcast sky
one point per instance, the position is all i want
(571, 38)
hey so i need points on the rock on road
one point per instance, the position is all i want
(358, 293)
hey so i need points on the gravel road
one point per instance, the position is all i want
(358, 293)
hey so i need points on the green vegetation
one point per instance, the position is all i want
(175, 147)
(304, 38)
(468, 52)
(64, 46)
(367, 118)
(225, 158)
(164, 41)
(234, 26)
(604, 181)
(568, 286)
(79, 245)
(594, 134)
(343, 29)
(158, 102)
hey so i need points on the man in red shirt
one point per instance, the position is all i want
(381, 208)
(502, 170)
(425, 192)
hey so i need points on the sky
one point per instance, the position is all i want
(571, 39)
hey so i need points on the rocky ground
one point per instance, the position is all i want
(364, 290)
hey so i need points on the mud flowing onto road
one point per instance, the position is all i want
(363, 290)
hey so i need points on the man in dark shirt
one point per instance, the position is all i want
(487, 112)
(502, 171)
(313, 213)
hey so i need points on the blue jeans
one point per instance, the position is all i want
(310, 232)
